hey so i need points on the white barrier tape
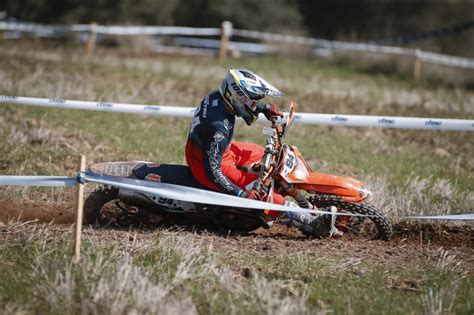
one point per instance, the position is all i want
(302, 118)
(449, 217)
(300, 40)
(172, 111)
(190, 194)
(363, 47)
(31, 27)
(386, 122)
(169, 191)
(445, 59)
(184, 193)
(156, 30)
(182, 50)
(50, 30)
(110, 30)
(215, 44)
(48, 181)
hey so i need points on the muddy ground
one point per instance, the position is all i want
(412, 242)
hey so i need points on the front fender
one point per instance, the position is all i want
(348, 188)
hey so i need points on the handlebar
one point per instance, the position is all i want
(272, 148)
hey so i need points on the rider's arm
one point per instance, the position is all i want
(213, 152)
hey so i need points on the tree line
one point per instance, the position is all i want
(357, 20)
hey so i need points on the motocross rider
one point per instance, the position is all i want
(219, 163)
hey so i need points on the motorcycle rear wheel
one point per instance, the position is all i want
(94, 203)
(102, 208)
(381, 228)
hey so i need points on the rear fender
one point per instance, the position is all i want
(348, 188)
(121, 169)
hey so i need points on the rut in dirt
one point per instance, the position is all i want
(446, 235)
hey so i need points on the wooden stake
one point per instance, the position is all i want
(79, 210)
(91, 41)
(225, 36)
(417, 66)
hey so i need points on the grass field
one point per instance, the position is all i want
(170, 271)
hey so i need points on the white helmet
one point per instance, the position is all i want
(242, 88)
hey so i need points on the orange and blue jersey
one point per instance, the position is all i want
(215, 160)
(210, 135)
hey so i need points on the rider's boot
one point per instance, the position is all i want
(296, 219)
(324, 225)
(320, 226)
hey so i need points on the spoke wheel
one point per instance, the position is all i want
(377, 226)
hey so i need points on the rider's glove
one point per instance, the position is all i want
(272, 112)
(252, 194)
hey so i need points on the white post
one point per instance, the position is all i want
(3, 16)
(418, 65)
(225, 37)
(91, 41)
(79, 210)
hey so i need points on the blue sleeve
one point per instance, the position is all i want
(213, 152)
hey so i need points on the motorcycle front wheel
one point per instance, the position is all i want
(375, 226)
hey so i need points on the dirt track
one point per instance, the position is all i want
(411, 243)
(43, 212)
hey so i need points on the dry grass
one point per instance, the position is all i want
(169, 272)
(317, 86)
(420, 196)
(116, 276)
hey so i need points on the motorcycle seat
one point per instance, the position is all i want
(166, 173)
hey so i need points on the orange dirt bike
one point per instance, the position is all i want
(282, 168)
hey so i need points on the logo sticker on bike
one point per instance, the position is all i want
(152, 165)
(153, 177)
(290, 163)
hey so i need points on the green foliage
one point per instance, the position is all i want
(367, 20)
(264, 15)
(356, 20)
(154, 12)
(277, 16)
